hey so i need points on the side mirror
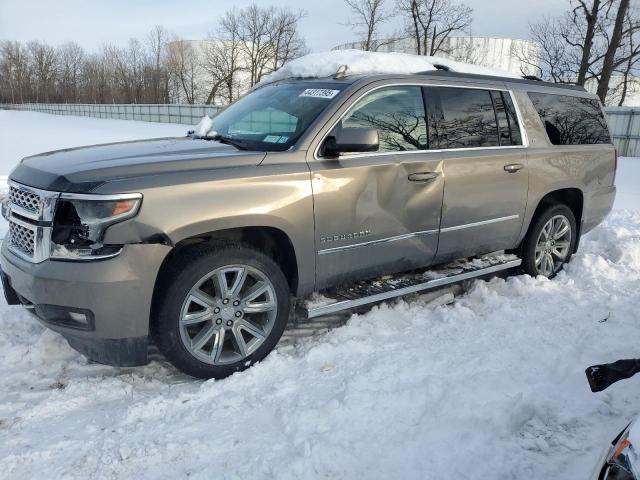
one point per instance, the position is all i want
(351, 140)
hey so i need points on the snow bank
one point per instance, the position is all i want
(491, 386)
(325, 64)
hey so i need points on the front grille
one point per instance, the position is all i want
(22, 239)
(30, 214)
(30, 201)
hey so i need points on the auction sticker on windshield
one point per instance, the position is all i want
(319, 93)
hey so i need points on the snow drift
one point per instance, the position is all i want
(325, 64)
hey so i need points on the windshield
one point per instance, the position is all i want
(273, 117)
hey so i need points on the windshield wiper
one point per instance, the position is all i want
(222, 139)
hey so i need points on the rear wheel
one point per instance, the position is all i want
(550, 241)
(224, 308)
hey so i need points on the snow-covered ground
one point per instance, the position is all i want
(491, 386)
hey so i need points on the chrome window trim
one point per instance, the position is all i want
(479, 224)
(376, 242)
(523, 132)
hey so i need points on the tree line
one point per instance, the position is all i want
(594, 42)
(245, 45)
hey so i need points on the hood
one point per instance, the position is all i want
(84, 168)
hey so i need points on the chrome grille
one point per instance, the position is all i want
(30, 214)
(22, 239)
(30, 201)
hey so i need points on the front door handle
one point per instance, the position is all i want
(513, 167)
(423, 176)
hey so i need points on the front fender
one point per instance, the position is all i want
(277, 198)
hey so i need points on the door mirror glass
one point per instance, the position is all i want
(351, 140)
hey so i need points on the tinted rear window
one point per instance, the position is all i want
(571, 120)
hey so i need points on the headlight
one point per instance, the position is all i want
(80, 223)
(623, 462)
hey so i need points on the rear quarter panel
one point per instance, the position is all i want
(589, 168)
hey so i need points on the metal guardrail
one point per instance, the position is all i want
(163, 113)
(624, 122)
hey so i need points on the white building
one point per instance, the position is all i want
(502, 53)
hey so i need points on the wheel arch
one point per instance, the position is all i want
(572, 197)
(270, 240)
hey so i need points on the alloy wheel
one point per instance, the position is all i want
(553, 245)
(228, 314)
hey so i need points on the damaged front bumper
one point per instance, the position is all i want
(102, 308)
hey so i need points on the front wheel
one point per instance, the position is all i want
(224, 308)
(550, 241)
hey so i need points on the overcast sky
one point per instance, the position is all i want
(92, 23)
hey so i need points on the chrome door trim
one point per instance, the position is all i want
(376, 242)
(523, 132)
(479, 224)
(415, 234)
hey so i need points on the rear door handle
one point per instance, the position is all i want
(513, 167)
(423, 176)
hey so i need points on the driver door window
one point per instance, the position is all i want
(398, 115)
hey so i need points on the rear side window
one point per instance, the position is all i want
(461, 118)
(571, 120)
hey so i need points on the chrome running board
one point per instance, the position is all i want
(363, 293)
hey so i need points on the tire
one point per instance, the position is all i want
(240, 323)
(541, 251)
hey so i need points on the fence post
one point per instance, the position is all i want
(628, 134)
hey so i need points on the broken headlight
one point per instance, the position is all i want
(622, 461)
(80, 223)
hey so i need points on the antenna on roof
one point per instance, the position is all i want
(341, 72)
(441, 67)
(532, 77)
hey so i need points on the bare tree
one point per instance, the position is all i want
(70, 58)
(184, 69)
(15, 69)
(628, 69)
(551, 61)
(431, 22)
(589, 45)
(609, 62)
(367, 16)
(284, 38)
(157, 45)
(268, 37)
(43, 61)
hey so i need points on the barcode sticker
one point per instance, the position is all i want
(319, 93)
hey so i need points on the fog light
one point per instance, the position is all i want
(69, 317)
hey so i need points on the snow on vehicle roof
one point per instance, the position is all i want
(359, 62)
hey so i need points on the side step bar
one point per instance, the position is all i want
(393, 291)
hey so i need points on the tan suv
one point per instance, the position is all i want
(200, 243)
